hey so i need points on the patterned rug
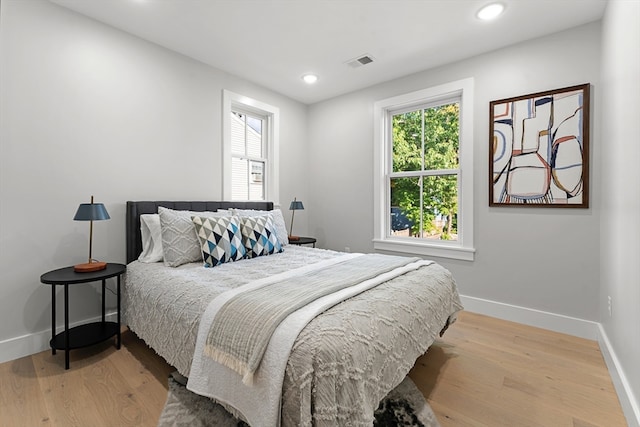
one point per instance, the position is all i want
(403, 406)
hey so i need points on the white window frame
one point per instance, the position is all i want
(462, 248)
(232, 101)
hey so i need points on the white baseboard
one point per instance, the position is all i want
(528, 316)
(625, 394)
(26, 345)
(566, 325)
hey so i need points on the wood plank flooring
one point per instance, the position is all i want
(489, 372)
(483, 372)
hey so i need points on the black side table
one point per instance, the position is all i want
(304, 241)
(87, 334)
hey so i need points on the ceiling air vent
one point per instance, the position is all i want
(360, 61)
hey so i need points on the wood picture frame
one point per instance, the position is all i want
(539, 149)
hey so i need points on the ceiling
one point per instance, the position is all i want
(274, 42)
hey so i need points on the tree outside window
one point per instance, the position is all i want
(424, 174)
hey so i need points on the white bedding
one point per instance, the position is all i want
(342, 363)
(259, 401)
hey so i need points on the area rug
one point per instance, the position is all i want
(403, 406)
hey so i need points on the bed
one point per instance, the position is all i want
(343, 360)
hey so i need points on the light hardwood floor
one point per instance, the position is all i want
(483, 372)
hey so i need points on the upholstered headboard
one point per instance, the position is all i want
(135, 209)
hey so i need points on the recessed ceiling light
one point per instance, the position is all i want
(310, 78)
(490, 11)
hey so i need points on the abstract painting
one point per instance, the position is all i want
(539, 153)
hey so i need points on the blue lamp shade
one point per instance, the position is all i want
(296, 205)
(91, 212)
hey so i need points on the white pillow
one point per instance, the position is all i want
(278, 221)
(151, 238)
(180, 243)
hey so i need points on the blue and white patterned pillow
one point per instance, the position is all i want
(220, 239)
(278, 221)
(259, 236)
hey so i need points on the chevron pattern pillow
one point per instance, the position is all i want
(259, 236)
(220, 239)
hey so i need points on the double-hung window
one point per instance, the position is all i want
(424, 172)
(250, 149)
(248, 156)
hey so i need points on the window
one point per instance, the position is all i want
(424, 172)
(250, 149)
(248, 156)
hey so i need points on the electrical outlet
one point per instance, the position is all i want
(347, 249)
(609, 305)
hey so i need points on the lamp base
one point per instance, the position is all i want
(294, 238)
(89, 267)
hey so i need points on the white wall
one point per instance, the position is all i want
(543, 259)
(620, 202)
(88, 109)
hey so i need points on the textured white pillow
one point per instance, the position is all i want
(180, 243)
(278, 221)
(151, 238)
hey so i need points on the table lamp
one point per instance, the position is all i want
(296, 205)
(91, 212)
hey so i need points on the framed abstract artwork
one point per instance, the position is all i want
(539, 149)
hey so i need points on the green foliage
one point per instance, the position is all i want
(426, 140)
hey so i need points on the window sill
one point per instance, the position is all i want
(428, 249)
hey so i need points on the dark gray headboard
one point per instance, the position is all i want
(135, 209)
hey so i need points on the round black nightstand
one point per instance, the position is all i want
(304, 241)
(87, 334)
